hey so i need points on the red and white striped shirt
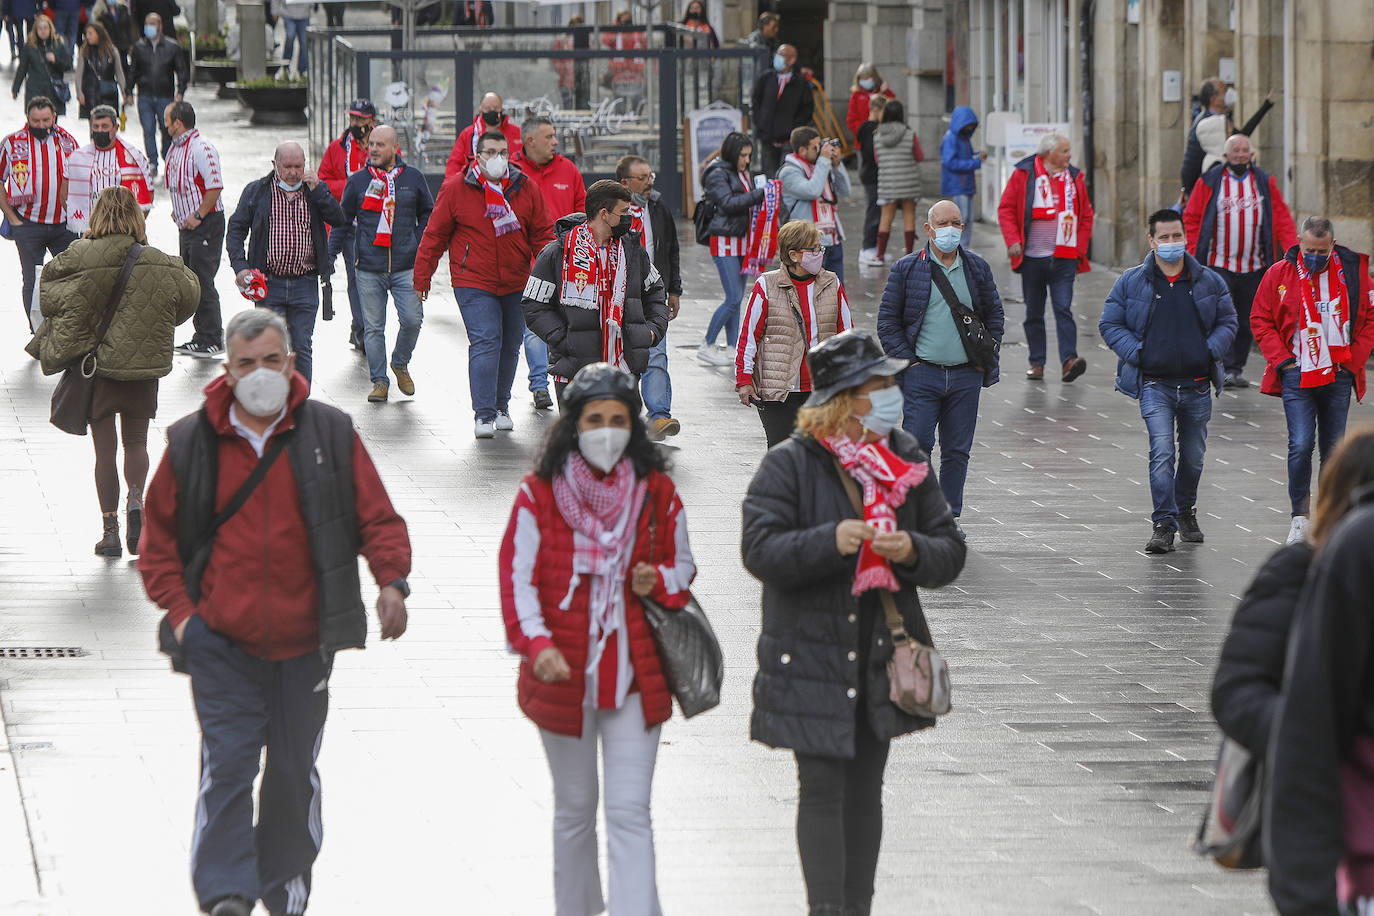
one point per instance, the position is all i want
(731, 246)
(756, 318)
(1240, 211)
(192, 170)
(33, 173)
(91, 170)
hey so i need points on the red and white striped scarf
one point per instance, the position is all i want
(761, 246)
(381, 199)
(24, 156)
(1056, 199)
(823, 207)
(885, 480)
(589, 282)
(498, 207)
(1324, 329)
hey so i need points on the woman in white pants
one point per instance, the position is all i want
(595, 527)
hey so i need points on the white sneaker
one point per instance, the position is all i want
(504, 422)
(714, 355)
(1298, 529)
(484, 429)
(869, 258)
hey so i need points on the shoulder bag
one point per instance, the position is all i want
(918, 678)
(979, 344)
(71, 399)
(692, 661)
(1230, 828)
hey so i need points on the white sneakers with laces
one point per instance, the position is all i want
(1298, 529)
(716, 355)
(504, 422)
(484, 429)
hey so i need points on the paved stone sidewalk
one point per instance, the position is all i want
(1067, 780)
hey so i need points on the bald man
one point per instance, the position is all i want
(281, 217)
(491, 115)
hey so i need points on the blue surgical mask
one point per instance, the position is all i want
(289, 187)
(947, 238)
(885, 410)
(779, 62)
(1314, 262)
(866, 83)
(150, 32)
(1171, 252)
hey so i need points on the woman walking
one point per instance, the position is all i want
(822, 686)
(726, 184)
(595, 527)
(899, 181)
(771, 370)
(46, 56)
(135, 352)
(99, 72)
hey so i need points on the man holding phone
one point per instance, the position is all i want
(813, 180)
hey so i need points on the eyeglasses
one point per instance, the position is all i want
(488, 153)
(649, 178)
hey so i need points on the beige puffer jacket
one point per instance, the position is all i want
(777, 366)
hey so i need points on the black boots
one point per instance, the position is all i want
(133, 528)
(108, 546)
(1188, 530)
(1162, 541)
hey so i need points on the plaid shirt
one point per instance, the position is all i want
(291, 252)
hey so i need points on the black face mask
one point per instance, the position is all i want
(621, 228)
(694, 15)
(491, 118)
(1238, 170)
(103, 139)
(359, 132)
(40, 133)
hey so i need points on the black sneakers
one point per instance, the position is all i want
(200, 350)
(232, 906)
(1235, 380)
(542, 401)
(1188, 530)
(1162, 541)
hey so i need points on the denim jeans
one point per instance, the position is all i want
(150, 116)
(66, 23)
(295, 31)
(1316, 417)
(1164, 408)
(1055, 275)
(372, 290)
(944, 399)
(537, 361)
(655, 385)
(834, 260)
(731, 270)
(965, 204)
(34, 240)
(1243, 288)
(873, 215)
(342, 242)
(296, 300)
(496, 329)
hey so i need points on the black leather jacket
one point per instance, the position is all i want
(160, 70)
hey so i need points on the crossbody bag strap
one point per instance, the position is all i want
(129, 261)
(240, 496)
(891, 615)
(937, 276)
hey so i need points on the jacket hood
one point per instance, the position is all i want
(219, 396)
(566, 224)
(961, 118)
(890, 129)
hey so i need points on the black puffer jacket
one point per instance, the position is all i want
(574, 334)
(1249, 674)
(722, 187)
(809, 679)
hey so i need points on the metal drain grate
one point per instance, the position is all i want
(41, 652)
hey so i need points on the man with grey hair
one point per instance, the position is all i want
(1311, 319)
(260, 657)
(1047, 222)
(105, 162)
(282, 217)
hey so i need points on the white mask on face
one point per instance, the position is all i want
(603, 447)
(496, 167)
(262, 392)
(1230, 98)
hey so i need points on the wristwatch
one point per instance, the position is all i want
(401, 585)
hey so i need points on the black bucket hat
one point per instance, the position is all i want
(846, 361)
(599, 381)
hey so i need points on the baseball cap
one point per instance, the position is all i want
(363, 108)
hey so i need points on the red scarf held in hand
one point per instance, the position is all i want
(1323, 334)
(1056, 198)
(761, 245)
(594, 277)
(498, 207)
(381, 199)
(885, 480)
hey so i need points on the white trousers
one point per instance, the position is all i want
(628, 752)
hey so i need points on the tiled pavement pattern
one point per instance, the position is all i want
(1067, 780)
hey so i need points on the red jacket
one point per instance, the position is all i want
(259, 588)
(477, 256)
(461, 157)
(1274, 316)
(1013, 211)
(1277, 231)
(560, 182)
(536, 569)
(335, 167)
(857, 112)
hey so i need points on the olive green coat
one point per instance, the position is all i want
(75, 291)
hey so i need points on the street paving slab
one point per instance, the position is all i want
(1068, 779)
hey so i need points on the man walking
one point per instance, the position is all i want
(491, 115)
(1311, 319)
(651, 219)
(918, 322)
(1170, 322)
(260, 657)
(282, 217)
(1238, 225)
(1047, 223)
(564, 192)
(33, 169)
(344, 157)
(492, 222)
(813, 180)
(196, 181)
(389, 205)
(106, 162)
(782, 102)
(159, 71)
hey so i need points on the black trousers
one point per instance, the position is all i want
(779, 418)
(769, 157)
(840, 821)
(1243, 288)
(872, 215)
(33, 240)
(200, 249)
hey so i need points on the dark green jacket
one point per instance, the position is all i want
(37, 75)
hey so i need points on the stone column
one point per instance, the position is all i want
(206, 20)
(252, 41)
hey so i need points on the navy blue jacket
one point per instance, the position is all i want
(907, 295)
(414, 202)
(252, 222)
(1130, 306)
(958, 162)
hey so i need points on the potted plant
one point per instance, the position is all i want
(274, 101)
(211, 46)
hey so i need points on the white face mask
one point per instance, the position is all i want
(496, 167)
(603, 447)
(1230, 98)
(262, 392)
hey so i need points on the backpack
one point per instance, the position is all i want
(701, 219)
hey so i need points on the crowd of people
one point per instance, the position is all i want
(845, 518)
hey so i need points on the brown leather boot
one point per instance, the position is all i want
(109, 546)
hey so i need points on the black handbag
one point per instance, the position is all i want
(687, 647)
(71, 399)
(979, 344)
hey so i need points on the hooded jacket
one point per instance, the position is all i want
(899, 178)
(958, 161)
